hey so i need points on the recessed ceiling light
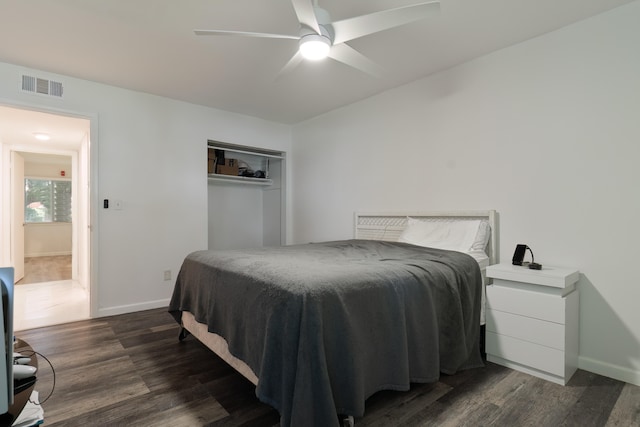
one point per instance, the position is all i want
(42, 136)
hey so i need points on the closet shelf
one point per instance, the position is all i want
(240, 179)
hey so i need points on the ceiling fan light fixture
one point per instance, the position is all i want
(315, 47)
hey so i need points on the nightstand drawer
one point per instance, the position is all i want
(536, 356)
(537, 331)
(526, 303)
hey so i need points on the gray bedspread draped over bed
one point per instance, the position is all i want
(326, 325)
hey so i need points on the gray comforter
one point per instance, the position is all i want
(326, 325)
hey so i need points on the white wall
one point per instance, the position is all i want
(47, 239)
(48, 170)
(150, 152)
(546, 132)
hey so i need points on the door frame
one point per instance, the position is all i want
(86, 155)
(16, 213)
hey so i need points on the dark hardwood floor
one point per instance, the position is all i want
(131, 370)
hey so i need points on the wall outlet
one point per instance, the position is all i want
(167, 275)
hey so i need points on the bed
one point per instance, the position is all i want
(320, 327)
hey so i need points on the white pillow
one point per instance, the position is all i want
(482, 237)
(452, 235)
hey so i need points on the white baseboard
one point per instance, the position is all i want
(132, 308)
(39, 254)
(608, 370)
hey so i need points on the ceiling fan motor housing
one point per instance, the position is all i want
(315, 46)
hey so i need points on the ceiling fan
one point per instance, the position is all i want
(319, 37)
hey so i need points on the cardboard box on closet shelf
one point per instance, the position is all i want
(211, 160)
(230, 167)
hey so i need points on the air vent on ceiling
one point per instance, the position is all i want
(41, 86)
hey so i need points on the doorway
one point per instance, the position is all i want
(38, 230)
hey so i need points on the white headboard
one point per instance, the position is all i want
(389, 225)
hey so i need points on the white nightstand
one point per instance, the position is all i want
(532, 320)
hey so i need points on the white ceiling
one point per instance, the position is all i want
(18, 126)
(149, 46)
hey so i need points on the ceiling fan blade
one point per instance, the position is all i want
(306, 15)
(348, 55)
(359, 26)
(243, 34)
(293, 63)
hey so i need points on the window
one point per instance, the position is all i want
(47, 200)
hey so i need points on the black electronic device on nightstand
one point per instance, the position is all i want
(518, 257)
